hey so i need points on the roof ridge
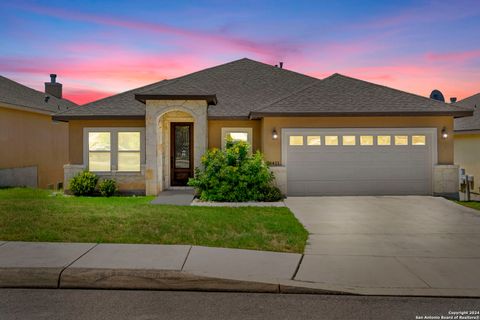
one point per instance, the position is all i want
(236, 61)
(398, 90)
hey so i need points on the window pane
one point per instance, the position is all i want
(314, 140)
(366, 140)
(182, 147)
(99, 161)
(129, 141)
(348, 140)
(383, 140)
(238, 136)
(418, 140)
(331, 140)
(99, 141)
(129, 161)
(296, 140)
(401, 140)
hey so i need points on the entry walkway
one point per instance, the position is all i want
(175, 197)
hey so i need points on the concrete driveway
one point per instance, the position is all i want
(385, 245)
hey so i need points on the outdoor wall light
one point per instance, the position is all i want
(444, 133)
(274, 134)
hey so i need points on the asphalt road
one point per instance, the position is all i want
(118, 305)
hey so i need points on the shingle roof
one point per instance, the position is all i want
(343, 95)
(240, 87)
(14, 93)
(119, 105)
(246, 88)
(473, 122)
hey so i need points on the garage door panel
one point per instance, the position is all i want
(360, 170)
(349, 188)
(360, 173)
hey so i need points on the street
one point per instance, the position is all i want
(118, 304)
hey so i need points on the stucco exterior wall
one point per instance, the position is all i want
(31, 139)
(272, 148)
(215, 131)
(75, 153)
(467, 155)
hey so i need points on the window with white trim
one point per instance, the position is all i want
(114, 149)
(237, 134)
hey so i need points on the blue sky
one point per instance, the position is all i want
(99, 48)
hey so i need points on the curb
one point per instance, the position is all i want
(134, 279)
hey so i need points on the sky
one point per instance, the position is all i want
(99, 48)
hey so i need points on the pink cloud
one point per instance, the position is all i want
(458, 56)
(195, 38)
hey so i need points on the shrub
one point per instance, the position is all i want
(83, 184)
(107, 187)
(233, 175)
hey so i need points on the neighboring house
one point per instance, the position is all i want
(337, 136)
(467, 140)
(33, 147)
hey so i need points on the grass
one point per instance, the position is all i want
(40, 215)
(470, 204)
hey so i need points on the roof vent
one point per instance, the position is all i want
(437, 95)
(453, 99)
(46, 99)
(281, 65)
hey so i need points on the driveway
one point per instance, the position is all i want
(390, 244)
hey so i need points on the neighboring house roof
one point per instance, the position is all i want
(245, 88)
(469, 123)
(239, 86)
(342, 95)
(17, 95)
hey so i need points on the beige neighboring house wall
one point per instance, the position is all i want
(31, 139)
(467, 155)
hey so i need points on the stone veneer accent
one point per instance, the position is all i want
(446, 180)
(280, 178)
(158, 145)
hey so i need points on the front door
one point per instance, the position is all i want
(181, 159)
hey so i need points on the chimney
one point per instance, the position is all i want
(53, 87)
(281, 65)
(453, 99)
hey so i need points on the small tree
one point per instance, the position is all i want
(234, 175)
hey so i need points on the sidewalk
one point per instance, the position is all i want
(175, 267)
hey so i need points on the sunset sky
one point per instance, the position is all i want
(99, 48)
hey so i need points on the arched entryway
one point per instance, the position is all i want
(176, 140)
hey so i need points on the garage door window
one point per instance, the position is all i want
(314, 141)
(418, 140)
(384, 140)
(331, 140)
(348, 140)
(296, 140)
(366, 140)
(401, 140)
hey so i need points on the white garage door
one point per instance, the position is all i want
(359, 161)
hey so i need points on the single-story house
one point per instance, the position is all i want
(33, 147)
(336, 136)
(467, 140)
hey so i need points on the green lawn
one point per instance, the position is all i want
(40, 215)
(470, 204)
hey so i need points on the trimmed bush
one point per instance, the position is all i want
(83, 184)
(108, 187)
(234, 175)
